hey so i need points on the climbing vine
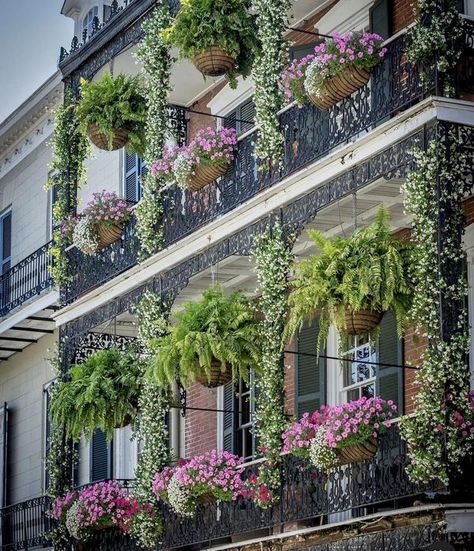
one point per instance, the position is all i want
(152, 430)
(440, 434)
(154, 55)
(437, 35)
(267, 69)
(70, 149)
(273, 260)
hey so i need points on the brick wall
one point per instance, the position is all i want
(200, 426)
(469, 210)
(402, 14)
(290, 391)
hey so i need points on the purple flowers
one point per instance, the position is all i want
(62, 504)
(106, 207)
(297, 438)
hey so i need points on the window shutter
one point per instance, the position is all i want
(310, 372)
(3, 454)
(380, 18)
(107, 13)
(461, 6)
(247, 113)
(6, 249)
(298, 52)
(132, 177)
(390, 379)
(229, 424)
(101, 457)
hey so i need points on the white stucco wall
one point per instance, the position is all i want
(22, 379)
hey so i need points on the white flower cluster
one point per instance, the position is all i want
(84, 237)
(72, 523)
(320, 454)
(179, 497)
(266, 74)
(182, 168)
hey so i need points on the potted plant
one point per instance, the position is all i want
(353, 281)
(341, 66)
(214, 340)
(292, 80)
(217, 35)
(62, 504)
(200, 480)
(113, 112)
(101, 393)
(100, 506)
(350, 432)
(298, 436)
(206, 158)
(99, 224)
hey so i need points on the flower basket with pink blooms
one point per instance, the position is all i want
(199, 481)
(298, 436)
(206, 158)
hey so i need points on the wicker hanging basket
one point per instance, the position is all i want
(108, 234)
(340, 86)
(202, 175)
(217, 376)
(100, 140)
(362, 321)
(357, 452)
(214, 62)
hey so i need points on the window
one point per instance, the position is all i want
(47, 389)
(239, 407)
(3, 454)
(364, 376)
(88, 22)
(242, 118)
(101, 460)
(134, 170)
(5, 241)
(379, 16)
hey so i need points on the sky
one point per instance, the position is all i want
(31, 33)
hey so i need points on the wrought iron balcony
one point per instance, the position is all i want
(309, 135)
(25, 525)
(30, 277)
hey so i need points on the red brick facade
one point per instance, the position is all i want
(200, 426)
(402, 14)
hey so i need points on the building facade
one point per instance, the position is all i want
(339, 166)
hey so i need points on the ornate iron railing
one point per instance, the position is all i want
(24, 280)
(25, 525)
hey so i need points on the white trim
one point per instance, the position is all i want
(228, 99)
(220, 418)
(346, 15)
(37, 304)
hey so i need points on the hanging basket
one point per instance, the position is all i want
(108, 234)
(214, 62)
(362, 321)
(217, 376)
(205, 499)
(357, 452)
(202, 175)
(100, 140)
(340, 86)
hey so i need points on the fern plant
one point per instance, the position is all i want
(113, 103)
(101, 393)
(217, 327)
(371, 270)
(201, 24)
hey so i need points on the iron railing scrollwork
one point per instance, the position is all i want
(26, 279)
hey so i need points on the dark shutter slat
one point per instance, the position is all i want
(380, 18)
(298, 52)
(247, 113)
(132, 177)
(100, 457)
(390, 379)
(228, 425)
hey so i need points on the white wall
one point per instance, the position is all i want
(104, 171)
(22, 379)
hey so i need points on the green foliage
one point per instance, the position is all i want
(113, 103)
(201, 24)
(371, 270)
(218, 327)
(101, 393)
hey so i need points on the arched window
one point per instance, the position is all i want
(87, 22)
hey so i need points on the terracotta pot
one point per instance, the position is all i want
(99, 139)
(214, 62)
(362, 321)
(340, 86)
(108, 234)
(202, 175)
(218, 377)
(357, 452)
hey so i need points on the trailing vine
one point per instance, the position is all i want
(436, 36)
(154, 55)
(267, 69)
(273, 260)
(440, 434)
(70, 149)
(152, 430)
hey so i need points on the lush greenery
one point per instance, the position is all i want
(115, 103)
(218, 327)
(273, 260)
(154, 56)
(227, 24)
(440, 435)
(70, 149)
(100, 393)
(268, 66)
(436, 40)
(370, 270)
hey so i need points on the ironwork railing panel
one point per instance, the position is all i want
(26, 525)
(26, 279)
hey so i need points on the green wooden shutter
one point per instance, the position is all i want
(380, 20)
(244, 112)
(132, 177)
(229, 418)
(298, 52)
(101, 457)
(390, 379)
(310, 373)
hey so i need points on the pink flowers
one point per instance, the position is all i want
(297, 438)
(62, 504)
(292, 79)
(106, 207)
